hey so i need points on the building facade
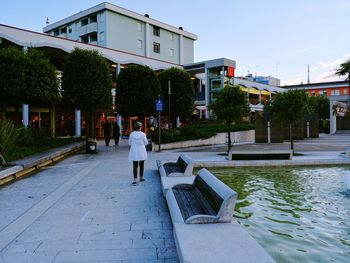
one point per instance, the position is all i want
(114, 27)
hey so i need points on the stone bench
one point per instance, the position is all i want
(206, 200)
(182, 167)
(260, 155)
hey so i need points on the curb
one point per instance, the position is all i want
(24, 166)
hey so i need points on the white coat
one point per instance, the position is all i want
(138, 141)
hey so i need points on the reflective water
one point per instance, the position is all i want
(296, 214)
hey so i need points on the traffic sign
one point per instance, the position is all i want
(159, 105)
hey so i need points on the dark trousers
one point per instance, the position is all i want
(107, 139)
(116, 140)
(135, 166)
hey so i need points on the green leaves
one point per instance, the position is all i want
(86, 82)
(9, 134)
(231, 105)
(137, 90)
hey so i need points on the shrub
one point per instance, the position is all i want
(9, 134)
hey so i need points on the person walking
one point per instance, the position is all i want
(116, 133)
(107, 131)
(137, 153)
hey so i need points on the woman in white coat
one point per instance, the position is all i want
(138, 153)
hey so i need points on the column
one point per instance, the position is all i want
(147, 45)
(332, 119)
(268, 132)
(223, 77)
(207, 93)
(77, 123)
(181, 47)
(177, 122)
(25, 115)
(53, 121)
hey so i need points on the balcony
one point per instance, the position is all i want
(87, 29)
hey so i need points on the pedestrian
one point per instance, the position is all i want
(137, 154)
(107, 131)
(116, 133)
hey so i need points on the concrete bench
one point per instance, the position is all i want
(182, 167)
(260, 155)
(207, 200)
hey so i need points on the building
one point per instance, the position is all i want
(114, 27)
(338, 93)
(269, 80)
(211, 76)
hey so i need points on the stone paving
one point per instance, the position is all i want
(84, 209)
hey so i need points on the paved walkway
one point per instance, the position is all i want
(84, 209)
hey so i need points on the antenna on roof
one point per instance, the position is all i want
(47, 21)
(308, 74)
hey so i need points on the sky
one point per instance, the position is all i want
(265, 37)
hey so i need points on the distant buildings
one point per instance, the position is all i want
(114, 27)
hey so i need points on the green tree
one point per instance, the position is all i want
(86, 84)
(318, 105)
(344, 69)
(26, 77)
(182, 93)
(136, 92)
(231, 105)
(289, 107)
(12, 77)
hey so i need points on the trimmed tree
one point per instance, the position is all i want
(136, 92)
(86, 84)
(12, 78)
(318, 105)
(182, 93)
(289, 107)
(230, 106)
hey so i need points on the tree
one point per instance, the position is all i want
(182, 93)
(289, 107)
(136, 92)
(231, 105)
(26, 77)
(86, 84)
(318, 105)
(12, 78)
(344, 69)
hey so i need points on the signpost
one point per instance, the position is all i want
(159, 108)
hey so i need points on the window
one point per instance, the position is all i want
(84, 39)
(93, 38)
(102, 17)
(139, 27)
(171, 36)
(93, 18)
(56, 32)
(70, 30)
(102, 36)
(156, 47)
(63, 30)
(139, 43)
(171, 52)
(313, 93)
(345, 91)
(156, 31)
(335, 92)
(84, 21)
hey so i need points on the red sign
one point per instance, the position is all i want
(230, 72)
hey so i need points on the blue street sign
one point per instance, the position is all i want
(159, 105)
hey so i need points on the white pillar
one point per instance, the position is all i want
(332, 119)
(200, 114)
(207, 93)
(39, 119)
(307, 129)
(119, 121)
(25, 115)
(268, 132)
(147, 45)
(181, 50)
(77, 123)
(177, 122)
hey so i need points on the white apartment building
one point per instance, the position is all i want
(117, 28)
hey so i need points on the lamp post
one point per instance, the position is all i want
(169, 93)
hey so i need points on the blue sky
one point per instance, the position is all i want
(265, 37)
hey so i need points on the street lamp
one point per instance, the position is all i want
(169, 93)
